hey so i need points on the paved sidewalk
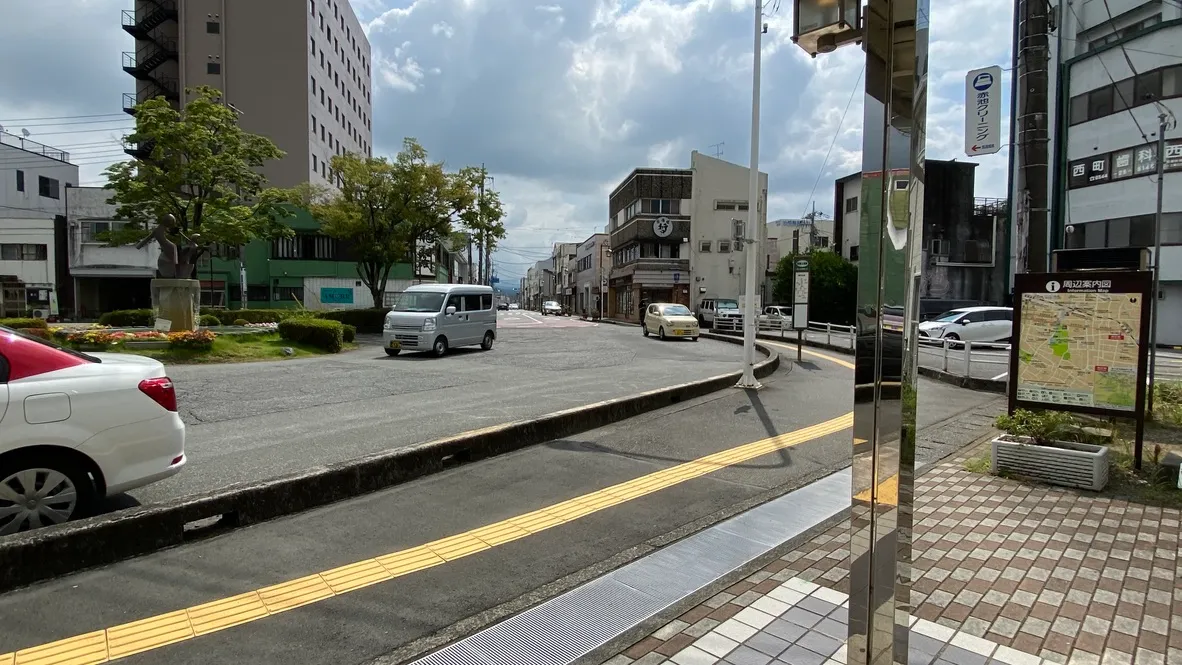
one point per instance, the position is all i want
(1006, 571)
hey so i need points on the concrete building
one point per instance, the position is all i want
(565, 273)
(801, 235)
(298, 72)
(671, 234)
(1122, 67)
(103, 278)
(33, 184)
(591, 260)
(847, 211)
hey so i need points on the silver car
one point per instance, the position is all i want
(551, 307)
(438, 317)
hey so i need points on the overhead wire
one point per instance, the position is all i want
(836, 135)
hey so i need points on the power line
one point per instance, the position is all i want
(62, 124)
(836, 134)
(62, 117)
(85, 131)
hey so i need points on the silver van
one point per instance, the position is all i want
(438, 317)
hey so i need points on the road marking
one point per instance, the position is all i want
(183, 625)
(839, 361)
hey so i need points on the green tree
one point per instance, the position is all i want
(483, 221)
(833, 284)
(202, 169)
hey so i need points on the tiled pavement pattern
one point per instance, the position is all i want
(1067, 576)
(800, 623)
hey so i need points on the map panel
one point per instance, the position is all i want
(1079, 349)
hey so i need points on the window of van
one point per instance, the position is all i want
(419, 301)
(486, 301)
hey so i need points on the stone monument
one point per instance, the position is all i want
(175, 298)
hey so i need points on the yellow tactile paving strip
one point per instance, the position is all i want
(158, 631)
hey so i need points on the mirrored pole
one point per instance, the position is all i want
(891, 235)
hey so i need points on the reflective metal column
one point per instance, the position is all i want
(891, 234)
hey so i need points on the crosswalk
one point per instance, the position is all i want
(523, 319)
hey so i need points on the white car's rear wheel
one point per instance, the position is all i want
(37, 491)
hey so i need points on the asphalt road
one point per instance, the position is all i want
(253, 421)
(364, 624)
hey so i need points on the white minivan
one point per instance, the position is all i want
(438, 317)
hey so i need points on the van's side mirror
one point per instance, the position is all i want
(450, 310)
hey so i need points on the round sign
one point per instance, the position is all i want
(662, 227)
(1053, 286)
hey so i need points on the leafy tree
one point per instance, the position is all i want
(202, 169)
(483, 221)
(833, 284)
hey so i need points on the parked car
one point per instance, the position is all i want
(712, 309)
(503, 306)
(551, 307)
(78, 427)
(438, 317)
(777, 314)
(669, 320)
(971, 324)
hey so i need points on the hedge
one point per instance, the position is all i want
(323, 334)
(208, 320)
(350, 333)
(23, 324)
(364, 320)
(129, 318)
(229, 316)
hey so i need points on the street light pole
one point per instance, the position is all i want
(1161, 169)
(752, 231)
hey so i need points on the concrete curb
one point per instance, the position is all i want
(984, 385)
(52, 551)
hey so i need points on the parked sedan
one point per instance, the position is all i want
(77, 427)
(669, 320)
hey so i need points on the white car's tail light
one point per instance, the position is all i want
(161, 390)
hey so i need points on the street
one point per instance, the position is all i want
(547, 503)
(249, 422)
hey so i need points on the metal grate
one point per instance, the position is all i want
(572, 625)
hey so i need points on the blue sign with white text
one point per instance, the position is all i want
(336, 296)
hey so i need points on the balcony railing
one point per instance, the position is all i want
(164, 10)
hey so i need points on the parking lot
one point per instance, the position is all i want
(253, 421)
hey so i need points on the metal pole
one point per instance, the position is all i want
(968, 359)
(752, 231)
(1161, 169)
(799, 344)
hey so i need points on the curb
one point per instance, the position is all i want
(983, 385)
(62, 549)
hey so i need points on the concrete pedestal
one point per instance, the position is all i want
(179, 301)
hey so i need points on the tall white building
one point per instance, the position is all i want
(33, 182)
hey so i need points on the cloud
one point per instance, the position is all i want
(560, 99)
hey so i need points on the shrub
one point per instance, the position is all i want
(25, 324)
(364, 320)
(323, 334)
(1044, 427)
(258, 315)
(350, 333)
(129, 318)
(92, 337)
(207, 320)
(241, 322)
(193, 340)
(43, 333)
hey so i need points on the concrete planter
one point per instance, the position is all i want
(1063, 463)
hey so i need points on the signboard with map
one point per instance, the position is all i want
(1080, 342)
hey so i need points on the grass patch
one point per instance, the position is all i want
(235, 349)
(979, 463)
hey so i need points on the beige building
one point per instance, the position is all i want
(297, 71)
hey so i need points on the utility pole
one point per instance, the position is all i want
(748, 379)
(469, 276)
(480, 223)
(1161, 170)
(1033, 229)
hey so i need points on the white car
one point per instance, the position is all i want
(514, 305)
(971, 324)
(667, 320)
(77, 427)
(551, 307)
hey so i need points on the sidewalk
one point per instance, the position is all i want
(1005, 572)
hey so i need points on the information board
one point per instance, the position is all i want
(1080, 342)
(800, 295)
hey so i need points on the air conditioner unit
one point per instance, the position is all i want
(40, 314)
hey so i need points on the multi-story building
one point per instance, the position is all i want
(1122, 68)
(565, 273)
(102, 277)
(799, 236)
(847, 211)
(671, 234)
(591, 261)
(33, 184)
(297, 72)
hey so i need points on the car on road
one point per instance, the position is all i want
(78, 427)
(551, 307)
(503, 306)
(777, 314)
(970, 324)
(514, 305)
(711, 310)
(439, 317)
(668, 320)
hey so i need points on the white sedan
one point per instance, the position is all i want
(77, 427)
(668, 320)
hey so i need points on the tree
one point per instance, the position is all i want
(833, 284)
(483, 221)
(202, 169)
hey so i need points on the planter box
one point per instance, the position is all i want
(1066, 464)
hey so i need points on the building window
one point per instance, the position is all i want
(1144, 88)
(313, 79)
(851, 204)
(213, 28)
(312, 7)
(48, 187)
(286, 248)
(256, 293)
(315, 164)
(902, 184)
(724, 246)
(23, 252)
(324, 247)
(313, 125)
(213, 68)
(662, 206)
(313, 46)
(704, 246)
(20, 180)
(853, 252)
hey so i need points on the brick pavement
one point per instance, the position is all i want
(1070, 577)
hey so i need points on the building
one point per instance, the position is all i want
(591, 261)
(799, 236)
(671, 234)
(103, 278)
(298, 73)
(847, 211)
(565, 273)
(32, 225)
(1122, 67)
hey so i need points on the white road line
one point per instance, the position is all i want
(537, 321)
(1000, 376)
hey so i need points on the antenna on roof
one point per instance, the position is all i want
(718, 149)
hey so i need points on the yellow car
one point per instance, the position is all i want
(669, 320)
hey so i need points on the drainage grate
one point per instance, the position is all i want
(565, 628)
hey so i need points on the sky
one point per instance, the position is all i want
(559, 99)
